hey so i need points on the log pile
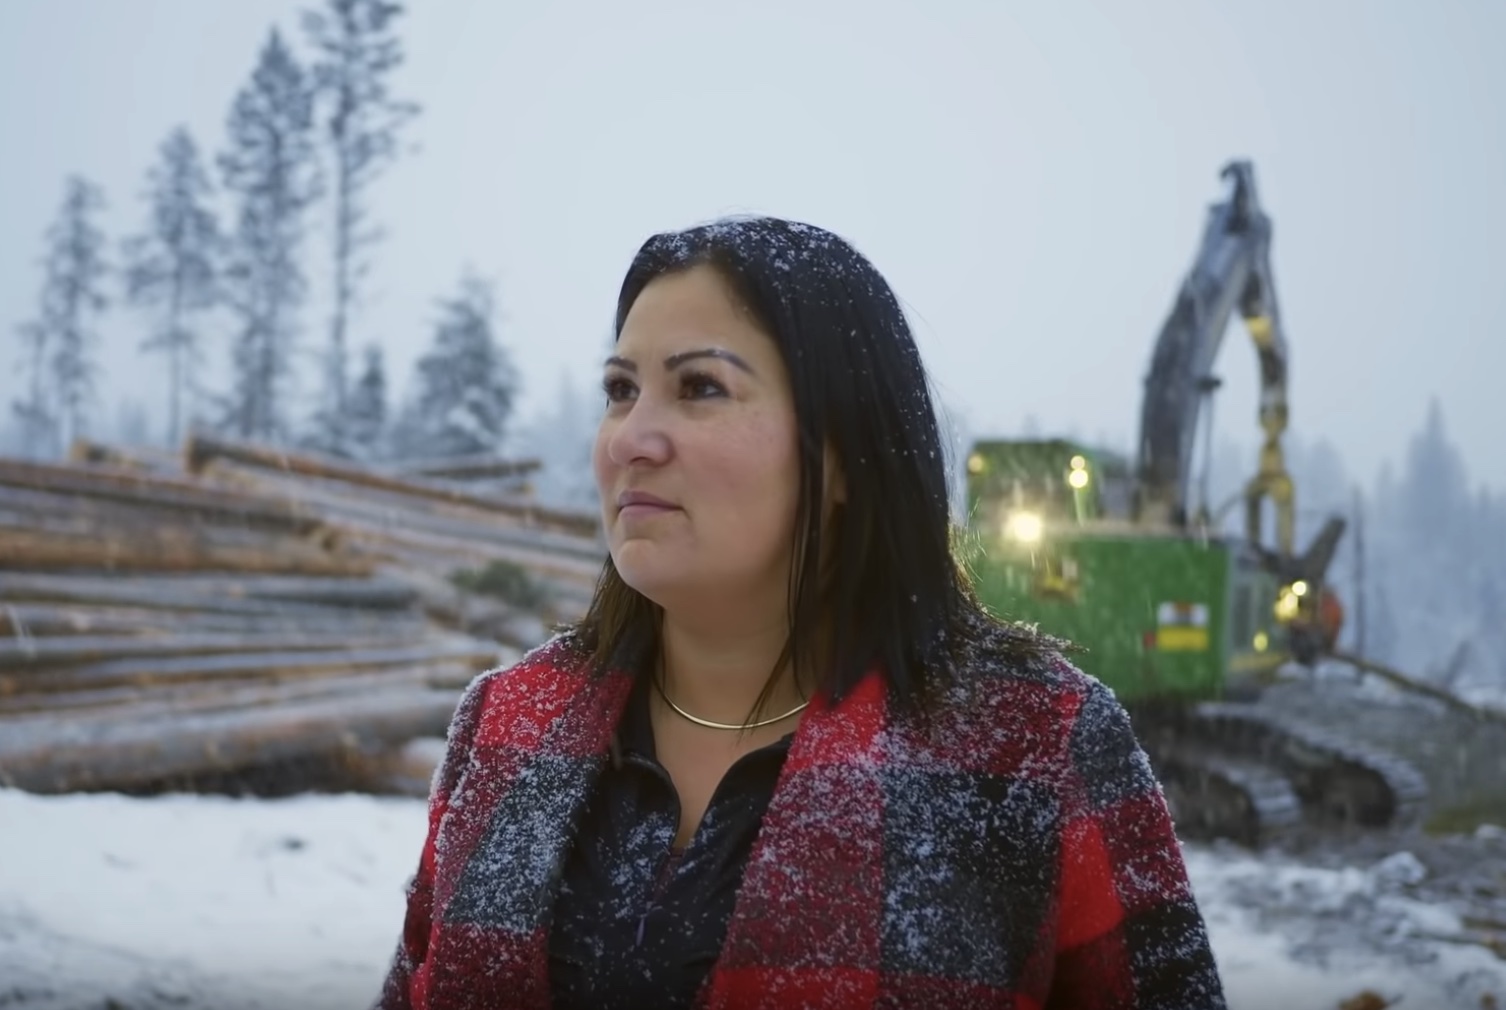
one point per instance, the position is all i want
(170, 617)
(423, 530)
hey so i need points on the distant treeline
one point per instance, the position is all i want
(1422, 565)
(220, 263)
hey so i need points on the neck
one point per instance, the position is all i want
(718, 674)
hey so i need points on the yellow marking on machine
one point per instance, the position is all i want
(1182, 627)
(1256, 662)
(1182, 639)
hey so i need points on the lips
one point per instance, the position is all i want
(642, 500)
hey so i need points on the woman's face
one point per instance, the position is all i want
(697, 457)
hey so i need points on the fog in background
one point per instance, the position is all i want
(1031, 177)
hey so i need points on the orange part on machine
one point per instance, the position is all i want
(1330, 615)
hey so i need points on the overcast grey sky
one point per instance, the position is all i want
(1032, 177)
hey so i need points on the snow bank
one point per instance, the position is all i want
(201, 901)
(205, 902)
(1289, 936)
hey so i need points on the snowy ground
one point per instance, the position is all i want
(203, 903)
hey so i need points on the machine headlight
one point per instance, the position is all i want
(1025, 527)
(1287, 605)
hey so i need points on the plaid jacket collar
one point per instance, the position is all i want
(542, 740)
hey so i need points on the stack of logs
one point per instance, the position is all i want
(172, 618)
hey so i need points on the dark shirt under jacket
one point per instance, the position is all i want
(638, 923)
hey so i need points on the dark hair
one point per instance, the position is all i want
(894, 593)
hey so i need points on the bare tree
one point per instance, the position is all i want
(171, 267)
(358, 50)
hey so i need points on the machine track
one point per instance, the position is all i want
(1340, 782)
(1215, 795)
(1241, 771)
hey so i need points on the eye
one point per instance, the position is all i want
(700, 386)
(617, 388)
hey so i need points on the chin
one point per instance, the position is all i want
(645, 569)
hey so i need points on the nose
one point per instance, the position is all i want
(638, 436)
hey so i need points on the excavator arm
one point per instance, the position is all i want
(1232, 272)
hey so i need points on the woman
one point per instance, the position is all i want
(786, 759)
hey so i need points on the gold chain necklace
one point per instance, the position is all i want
(725, 725)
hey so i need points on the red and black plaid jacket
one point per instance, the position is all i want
(1016, 852)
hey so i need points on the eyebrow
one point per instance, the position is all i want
(676, 360)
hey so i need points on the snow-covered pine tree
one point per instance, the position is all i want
(1435, 491)
(171, 267)
(562, 437)
(367, 407)
(464, 387)
(357, 51)
(10, 437)
(270, 166)
(59, 343)
(1490, 591)
(1430, 552)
